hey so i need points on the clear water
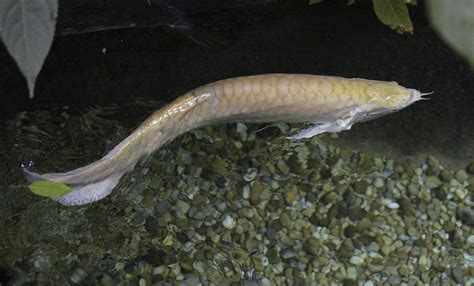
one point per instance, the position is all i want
(170, 220)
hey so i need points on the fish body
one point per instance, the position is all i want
(332, 104)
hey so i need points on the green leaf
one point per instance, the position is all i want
(454, 21)
(49, 188)
(394, 13)
(27, 30)
(311, 2)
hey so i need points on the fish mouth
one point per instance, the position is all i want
(416, 95)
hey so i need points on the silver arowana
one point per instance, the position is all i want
(332, 104)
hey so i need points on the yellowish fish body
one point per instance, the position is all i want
(333, 104)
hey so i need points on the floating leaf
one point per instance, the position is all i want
(27, 30)
(454, 21)
(394, 13)
(49, 188)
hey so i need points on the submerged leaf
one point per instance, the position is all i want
(27, 30)
(49, 188)
(454, 21)
(394, 13)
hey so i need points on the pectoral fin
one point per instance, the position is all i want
(344, 123)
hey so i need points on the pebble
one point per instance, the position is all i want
(470, 168)
(432, 182)
(290, 195)
(229, 222)
(182, 206)
(356, 213)
(361, 186)
(350, 231)
(285, 219)
(264, 282)
(423, 261)
(255, 192)
(283, 213)
(458, 273)
(461, 176)
(356, 260)
(250, 175)
(379, 182)
(287, 253)
(470, 240)
(393, 206)
(466, 215)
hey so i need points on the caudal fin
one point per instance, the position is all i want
(81, 193)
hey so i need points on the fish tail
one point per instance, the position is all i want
(96, 180)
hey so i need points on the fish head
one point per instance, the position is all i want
(388, 97)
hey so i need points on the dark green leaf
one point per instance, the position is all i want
(49, 188)
(394, 13)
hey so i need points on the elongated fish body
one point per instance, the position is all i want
(333, 104)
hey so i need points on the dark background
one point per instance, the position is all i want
(327, 39)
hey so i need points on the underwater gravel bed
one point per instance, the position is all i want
(227, 204)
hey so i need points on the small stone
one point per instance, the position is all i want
(446, 175)
(379, 182)
(356, 213)
(283, 167)
(461, 176)
(470, 181)
(352, 273)
(312, 245)
(78, 275)
(229, 222)
(363, 225)
(368, 283)
(393, 206)
(413, 189)
(255, 191)
(349, 282)
(423, 261)
(395, 280)
(433, 164)
(182, 206)
(406, 206)
(361, 186)
(287, 253)
(432, 182)
(458, 273)
(403, 270)
(106, 280)
(460, 193)
(470, 240)
(375, 267)
(466, 215)
(285, 219)
(250, 174)
(470, 167)
(349, 197)
(263, 282)
(350, 231)
(290, 195)
(356, 260)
